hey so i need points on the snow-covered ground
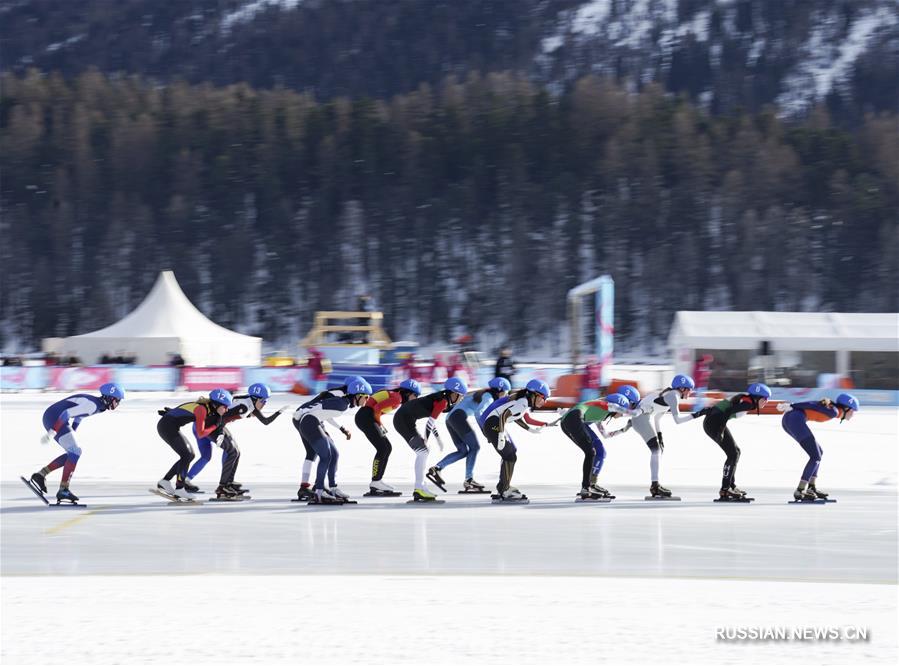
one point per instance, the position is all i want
(269, 581)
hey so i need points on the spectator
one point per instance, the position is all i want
(702, 373)
(176, 360)
(505, 366)
(319, 366)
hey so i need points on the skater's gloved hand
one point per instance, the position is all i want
(661, 442)
(48, 436)
(346, 433)
(501, 441)
(784, 407)
(219, 440)
(439, 441)
(382, 430)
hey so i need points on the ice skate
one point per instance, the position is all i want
(738, 490)
(190, 487)
(183, 494)
(321, 497)
(342, 496)
(423, 495)
(804, 495)
(599, 490)
(305, 493)
(435, 478)
(237, 488)
(817, 493)
(225, 493)
(66, 495)
(165, 486)
(732, 495)
(380, 489)
(659, 492)
(37, 479)
(512, 495)
(587, 495)
(473, 487)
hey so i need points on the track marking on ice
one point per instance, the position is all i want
(56, 529)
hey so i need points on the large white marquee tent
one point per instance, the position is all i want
(165, 323)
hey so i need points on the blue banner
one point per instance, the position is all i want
(137, 378)
(18, 377)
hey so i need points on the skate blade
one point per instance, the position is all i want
(394, 493)
(36, 491)
(172, 498)
(600, 500)
(68, 505)
(475, 492)
(650, 498)
(426, 502)
(744, 500)
(225, 499)
(523, 500)
(814, 501)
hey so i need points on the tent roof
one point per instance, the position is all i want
(166, 313)
(810, 331)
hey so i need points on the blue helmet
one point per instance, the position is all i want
(112, 390)
(260, 391)
(759, 390)
(221, 396)
(500, 384)
(539, 386)
(630, 392)
(683, 382)
(455, 385)
(411, 385)
(358, 386)
(847, 401)
(617, 402)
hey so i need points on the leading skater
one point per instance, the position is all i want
(795, 422)
(515, 407)
(467, 446)
(56, 419)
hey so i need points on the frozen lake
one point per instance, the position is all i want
(386, 582)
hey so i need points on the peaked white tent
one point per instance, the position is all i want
(165, 323)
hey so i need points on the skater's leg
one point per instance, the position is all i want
(600, 453)
(577, 431)
(310, 452)
(458, 428)
(814, 451)
(332, 465)
(473, 448)
(417, 444)
(172, 436)
(204, 446)
(66, 439)
(230, 459)
(365, 421)
(732, 451)
(643, 426)
(54, 464)
(796, 425)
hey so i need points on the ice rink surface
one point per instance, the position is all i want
(386, 582)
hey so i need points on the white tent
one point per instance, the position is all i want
(799, 331)
(838, 332)
(166, 322)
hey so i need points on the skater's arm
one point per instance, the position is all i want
(265, 420)
(674, 404)
(203, 430)
(77, 411)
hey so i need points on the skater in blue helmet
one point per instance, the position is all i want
(61, 420)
